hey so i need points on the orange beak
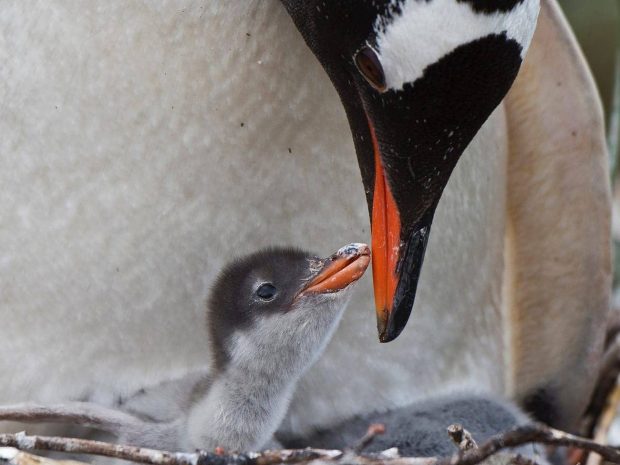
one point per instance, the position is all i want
(385, 226)
(340, 270)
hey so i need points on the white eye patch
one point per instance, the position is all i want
(425, 31)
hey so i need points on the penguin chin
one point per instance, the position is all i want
(319, 316)
(325, 302)
(311, 322)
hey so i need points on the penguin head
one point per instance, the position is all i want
(417, 78)
(279, 306)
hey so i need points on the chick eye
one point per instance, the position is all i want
(368, 64)
(266, 291)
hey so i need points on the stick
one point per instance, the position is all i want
(76, 413)
(608, 374)
(461, 437)
(532, 433)
(374, 430)
(12, 456)
(526, 434)
(24, 442)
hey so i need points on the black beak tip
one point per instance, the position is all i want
(391, 327)
(387, 337)
(396, 322)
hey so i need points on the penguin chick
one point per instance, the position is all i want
(270, 316)
(420, 429)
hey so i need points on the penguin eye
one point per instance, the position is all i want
(368, 64)
(266, 291)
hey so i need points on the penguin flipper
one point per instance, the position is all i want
(558, 278)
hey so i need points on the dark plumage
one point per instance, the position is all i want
(235, 301)
(419, 430)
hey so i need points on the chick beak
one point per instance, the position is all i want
(340, 270)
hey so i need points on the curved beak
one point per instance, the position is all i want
(338, 271)
(397, 258)
(408, 142)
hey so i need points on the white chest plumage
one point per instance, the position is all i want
(140, 143)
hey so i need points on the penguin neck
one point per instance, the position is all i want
(243, 406)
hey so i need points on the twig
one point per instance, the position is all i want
(374, 430)
(25, 442)
(533, 433)
(604, 423)
(22, 441)
(465, 441)
(461, 437)
(608, 375)
(12, 456)
(75, 413)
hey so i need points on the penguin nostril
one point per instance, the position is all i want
(369, 65)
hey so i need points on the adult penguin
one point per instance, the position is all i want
(142, 143)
